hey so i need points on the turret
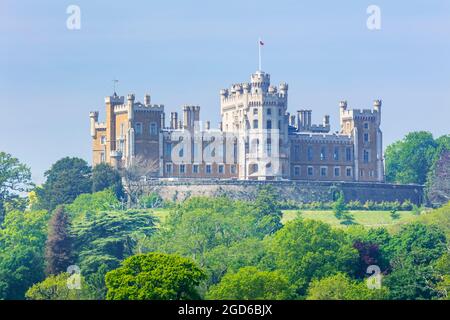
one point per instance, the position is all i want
(343, 105)
(283, 89)
(93, 117)
(147, 100)
(130, 105)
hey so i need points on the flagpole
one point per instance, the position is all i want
(259, 51)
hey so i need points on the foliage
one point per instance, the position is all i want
(154, 276)
(103, 239)
(249, 283)
(66, 180)
(200, 224)
(340, 210)
(58, 251)
(89, 204)
(224, 259)
(306, 249)
(15, 178)
(409, 160)
(55, 288)
(106, 177)
(151, 201)
(22, 241)
(341, 287)
(268, 211)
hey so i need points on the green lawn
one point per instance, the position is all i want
(366, 218)
(370, 219)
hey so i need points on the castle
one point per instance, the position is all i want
(257, 139)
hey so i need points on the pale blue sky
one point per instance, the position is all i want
(186, 51)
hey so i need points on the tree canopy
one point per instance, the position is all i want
(154, 276)
(66, 180)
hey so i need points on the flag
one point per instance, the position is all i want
(261, 43)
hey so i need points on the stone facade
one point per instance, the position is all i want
(299, 191)
(257, 139)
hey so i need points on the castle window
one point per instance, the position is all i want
(138, 128)
(121, 145)
(195, 168)
(122, 129)
(361, 173)
(233, 169)
(279, 124)
(208, 169)
(337, 171)
(366, 137)
(366, 125)
(310, 153)
(296, 152)
(182, 168)
(168, 168)
(336, 154)
(269, 147)
(279, 112)
(323, 155)
(255, 111)
(269, 123)
(103, 140)
(348, 154)
(255, 124)
(102, 157)
(348, 172)
(296, 171)
(371, 173)
(310, 171)
(323, 171)
(221, 169)
(153, 129)
(168, 149)
(366, 156)
(269, 111)
(181, 153)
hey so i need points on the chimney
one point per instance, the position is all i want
(173, 120)
(208, 125)
(326, 120)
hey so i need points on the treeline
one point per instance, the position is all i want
(351, 205)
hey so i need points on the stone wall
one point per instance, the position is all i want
(301, 191)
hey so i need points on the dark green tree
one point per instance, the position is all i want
(267, 209)
(15, 178)
(58, 250)
(106, 177)
(66, 180)
(154, 276)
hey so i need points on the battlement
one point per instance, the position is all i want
(115, 99)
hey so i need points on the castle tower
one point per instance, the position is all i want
(257, 111)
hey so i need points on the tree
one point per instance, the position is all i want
(249, 283)
(106, 177)
(341, 287)
(15, 178)
(154, 276)
(267, 209)
(198, 225)
(55, 287)
(307, 249)
(66, 180)
(58, 251)
(413, 251)
(103, 239)
(340, 210)
(22, 242)
(409, 160)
